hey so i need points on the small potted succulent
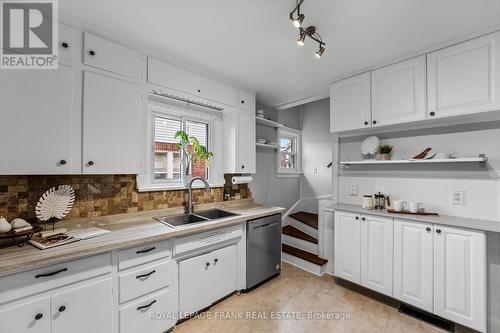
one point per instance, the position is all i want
(385, 152)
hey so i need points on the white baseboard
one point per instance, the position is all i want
(300, 244)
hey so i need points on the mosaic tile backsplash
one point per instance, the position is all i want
(101, 195)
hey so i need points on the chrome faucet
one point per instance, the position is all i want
(190, 190)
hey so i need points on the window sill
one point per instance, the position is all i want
(174, 187)
(289, 175)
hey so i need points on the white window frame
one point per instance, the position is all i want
(182, 111)
(297, 134)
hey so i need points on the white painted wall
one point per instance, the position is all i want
(266, 187)
(431, 184)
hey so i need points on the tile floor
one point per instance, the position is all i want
(299, 291)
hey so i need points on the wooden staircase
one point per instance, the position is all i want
(300, 243)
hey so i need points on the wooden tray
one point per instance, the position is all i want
(410, 213)
(20, 238)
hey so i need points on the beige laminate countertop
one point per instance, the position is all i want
(452, 221)
(127, 230)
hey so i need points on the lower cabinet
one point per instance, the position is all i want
(206, 278)
(32, 315)
(413, 263)
(83, 307)
(377, 253)
(460, 276)
(347, 247)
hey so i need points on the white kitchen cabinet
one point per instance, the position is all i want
(246, 101)
(464, 78)
(32, 315)
(164, 74)
(414, 263)
(398, 92)
(67, 42)
(86, 307)
(377, 253)
(110, 56)
(347, 246)
(350, 103)
(224, 272)
(239, 144)
(195, 284)
(36, 131)
(111, 125)
(460, 276)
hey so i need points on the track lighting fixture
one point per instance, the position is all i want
(319, 53)
(309, 31)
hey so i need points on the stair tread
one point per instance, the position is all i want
(308, 218)
(308, 256)
(297, 233)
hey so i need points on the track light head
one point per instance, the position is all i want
(297, 22)
(302, 38)
(320, 52)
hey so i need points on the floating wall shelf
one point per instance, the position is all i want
(482, 159)
(265, 145)
(267, 122)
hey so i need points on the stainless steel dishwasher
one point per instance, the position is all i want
(263, 249)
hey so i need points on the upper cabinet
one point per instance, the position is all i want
(36, 131)
(465, 78)
(111, 125)
(173, 77)
(110, 56)
(246, 101)
(398, 93)
(350, 103)
(67, 42)
(239, 143)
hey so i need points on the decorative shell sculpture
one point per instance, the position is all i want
(55, 203)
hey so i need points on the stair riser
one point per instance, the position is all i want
(300, 243)
(304, 227)
(303, 264)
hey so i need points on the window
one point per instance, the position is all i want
(289, 151)
(164, 163)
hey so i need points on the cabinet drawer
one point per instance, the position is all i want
(54, 276)
(67, 42)
(193, 242)
(110, 56)
(246, 101)
(146, 279)
(138, 316)
(142, 254)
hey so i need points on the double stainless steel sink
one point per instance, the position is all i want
(199, 217)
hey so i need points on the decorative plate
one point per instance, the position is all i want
(55, 203)
(370, 145)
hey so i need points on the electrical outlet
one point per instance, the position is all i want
(458, 198)
(354, 190)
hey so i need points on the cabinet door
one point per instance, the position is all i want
(246, 142)
(111, 125)
(460, 276)
(465, 78)
(246, 101)
(414, 263)
(398, 93)
(36, 128)
(224, 272)
(195, 284)
(347, 246)
(110, 56)
(350, 103)
(87, 307)
(30, 316)
(377, 253)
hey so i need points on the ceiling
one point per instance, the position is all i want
(253, 43)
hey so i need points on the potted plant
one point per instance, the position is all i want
(385, 152)
(193, 152)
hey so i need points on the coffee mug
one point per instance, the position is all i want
(415, 206)
(399, 205)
